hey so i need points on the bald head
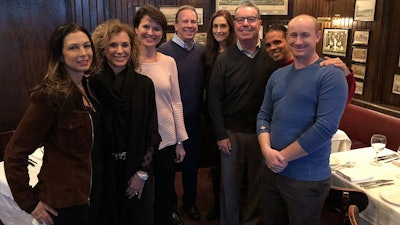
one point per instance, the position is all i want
(304, 18)
(302, 36)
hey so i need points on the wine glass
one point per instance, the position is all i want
(378, 143)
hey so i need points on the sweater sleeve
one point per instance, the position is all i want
(216, 100)
(331, 103)
(177, 107)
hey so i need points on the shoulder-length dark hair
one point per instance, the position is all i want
(212, 45)
(155, 14)
(57, 90)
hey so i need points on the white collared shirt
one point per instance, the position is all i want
(248, 53)
(183, 44)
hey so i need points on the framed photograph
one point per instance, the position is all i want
(169, 36)
(361, 37)
(201, 38)
(396, 84)
(335, 41)
(359, 54)
(364, 10)
(267, 7)
(359, 70)
(359, 88)
(170, 12)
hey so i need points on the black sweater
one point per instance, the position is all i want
(237, 90)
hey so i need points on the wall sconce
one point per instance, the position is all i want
(321, 19)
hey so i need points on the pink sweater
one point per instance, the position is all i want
(164, 75)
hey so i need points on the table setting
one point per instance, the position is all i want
(376, 172)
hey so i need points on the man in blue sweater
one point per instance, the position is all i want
(302, 107)
(236, 91)
(189, 57)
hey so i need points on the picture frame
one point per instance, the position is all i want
(199, 37)
(361, 37)
(335, 41)
(359, 88)
(359, 70)
(359, 54)
(267, 7)
(396, 84)
(364, 10)
(170, 12)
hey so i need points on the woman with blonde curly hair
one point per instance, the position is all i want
(130, 131)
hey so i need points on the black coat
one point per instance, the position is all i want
(129, 124)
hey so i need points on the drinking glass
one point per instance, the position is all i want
(378, 143)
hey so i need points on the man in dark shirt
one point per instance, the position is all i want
(236, 91)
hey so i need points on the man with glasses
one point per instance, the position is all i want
(236, 92)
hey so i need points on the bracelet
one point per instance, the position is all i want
(142, 175)
(179, 143)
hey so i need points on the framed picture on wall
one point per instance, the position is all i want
(170, 12)
(267, 7)
(359, 54)
(364, 10)
(359, 70)
(335, 41)
(396, 84)
(201, 38)
(359, 88)
(361, 37)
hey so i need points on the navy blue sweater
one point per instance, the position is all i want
(191, 74)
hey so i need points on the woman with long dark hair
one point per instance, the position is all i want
(61, 117)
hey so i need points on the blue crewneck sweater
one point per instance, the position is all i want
(304, 105)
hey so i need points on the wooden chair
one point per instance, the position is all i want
(343, 206)
(4, 138)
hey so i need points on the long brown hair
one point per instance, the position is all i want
(57, 90)
(212, 45)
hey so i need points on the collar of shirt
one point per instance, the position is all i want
(248, 53)
(183, 44)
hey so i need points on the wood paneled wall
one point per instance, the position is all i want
(25, 27)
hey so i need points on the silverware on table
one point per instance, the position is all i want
(377, 185)
(374, 182)
(385, 157)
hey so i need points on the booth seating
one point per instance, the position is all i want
(360, 124)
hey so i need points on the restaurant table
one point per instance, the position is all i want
(11, 213)
(379, 211)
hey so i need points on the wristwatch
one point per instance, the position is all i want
(142, 175)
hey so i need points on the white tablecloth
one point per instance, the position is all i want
(11, 213)
(379, 211)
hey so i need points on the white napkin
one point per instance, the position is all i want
(355, 175)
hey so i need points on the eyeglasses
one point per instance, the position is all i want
(250, 19)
